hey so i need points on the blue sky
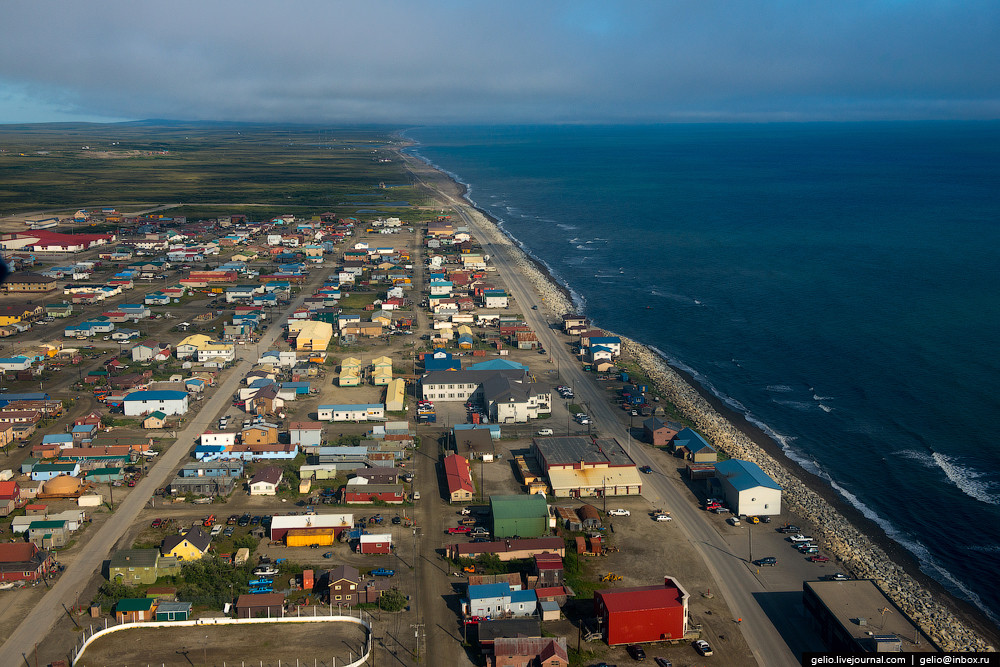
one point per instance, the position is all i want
(454, 61)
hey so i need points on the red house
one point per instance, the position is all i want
(643, 613)
(375, 544)
(368, 493)
(22, 561)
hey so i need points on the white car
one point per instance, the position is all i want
(663, 517)
(702, 647)
(619, 512)
(800, 538)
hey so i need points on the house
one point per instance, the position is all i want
(658, 432)
(259, 434)
(41, 472)
(640, 614)
(168, 402)
(689, 444)
(260, 605)
(305, 434)
(748, 489)
(23, 561)
(140, 566)
(360, 490)
(499, 600)
(48, 534)
(381, 371)
(459, 479)
(529, 652)
(266, 481)
(29, 282)
(155, 420)
(343, 583)
(190, 546)
(395, 395)
(151, 350)
(375, 544)
(135, 610)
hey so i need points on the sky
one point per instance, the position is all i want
(466, 61)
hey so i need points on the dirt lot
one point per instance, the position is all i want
(327, 644)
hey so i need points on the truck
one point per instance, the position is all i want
(382, 572)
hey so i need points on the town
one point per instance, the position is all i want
(357, 422)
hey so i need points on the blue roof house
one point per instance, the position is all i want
(747, 488)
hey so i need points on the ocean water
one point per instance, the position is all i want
(837, 283)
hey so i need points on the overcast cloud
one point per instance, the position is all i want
(464, 61)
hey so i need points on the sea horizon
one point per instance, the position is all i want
(766, 260)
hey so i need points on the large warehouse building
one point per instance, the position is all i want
(525, 516)
(578, 466)
(643, 613)
(747, 488)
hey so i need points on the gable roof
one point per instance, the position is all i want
(744, 475)
(195, 537)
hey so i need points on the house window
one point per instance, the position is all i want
(337, 598)
(347, 597)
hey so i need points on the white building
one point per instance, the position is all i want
(747, 488)
(168, 402)
(352, 413)
(216, 439)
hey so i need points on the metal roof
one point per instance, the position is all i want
(744, 475)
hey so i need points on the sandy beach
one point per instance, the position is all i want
(860, 543)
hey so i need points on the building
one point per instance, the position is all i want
(343, 583)
(375, 544)
(395, 395)
(459, 479)
(190, 546)
(155, 420)
(360, 490)
(854, 616)
(489, 600)
(281, 524)
(690, 445)
(140, 566)
(135, 610)
(658, 432)
(266, 481)
(509, 549)
(260, 605)
(529, 652)
(173, 611)
(23, 561)
(643, 613)
(48, 534)
(306, 434)
(522, 516)
(464, 385)
(747, 489)
(29, 282)
(578, 466)
(139, 403)
(309, 335)
(356, 413)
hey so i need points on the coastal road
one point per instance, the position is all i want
(735, 578)
(60, 598)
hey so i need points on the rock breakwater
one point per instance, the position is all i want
(860, 555)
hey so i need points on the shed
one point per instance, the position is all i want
(260, 605)
(173, 611)
(135, 610)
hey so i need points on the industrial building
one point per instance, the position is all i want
(642, 613)
(523, 516)
(579, 466)
(747, 488)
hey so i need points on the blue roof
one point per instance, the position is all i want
(745, 475)
(691, 439)
(162, 395)
(496, 365)
(523, 596)
(489, 591)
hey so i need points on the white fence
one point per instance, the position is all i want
(202, 622)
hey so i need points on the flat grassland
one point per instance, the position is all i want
(212, 169)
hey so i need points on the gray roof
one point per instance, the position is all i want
(465, 377)
(344, 572)
(563, 450)
(134, 558)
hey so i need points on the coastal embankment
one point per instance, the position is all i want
(860, 552)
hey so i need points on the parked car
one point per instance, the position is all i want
(800, 538)
(818, 558)
(733, 520)
(228, 532)
(663, 662)
(383, 572)
(646, 469)
(636, 652)
(702, 647)
(619, 512)
(811, 549)
(663, 517)
(839, 576)
(766, 560)
(459, 530)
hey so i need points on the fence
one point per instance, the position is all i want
(205, 622)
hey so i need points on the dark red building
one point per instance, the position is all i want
(643, 613)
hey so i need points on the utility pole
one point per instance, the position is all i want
(417, 627)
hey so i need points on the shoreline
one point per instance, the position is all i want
(855, 540)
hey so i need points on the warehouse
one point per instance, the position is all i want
(579, 466)
(747, 488)
(642, 613)
(523, 516)
(281, 524)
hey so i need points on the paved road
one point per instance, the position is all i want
(37, 624)
(736, 581)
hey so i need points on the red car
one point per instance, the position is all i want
(459, 529)
(818, 558)
(157, 523)
(473, 620)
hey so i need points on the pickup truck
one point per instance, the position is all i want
(799, 538)
(382, 572)
(459, 530)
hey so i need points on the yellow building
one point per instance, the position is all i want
(192, 545)
(381, 371)
(395, 393)
(310, 335)
(350, 372)
(304, 537)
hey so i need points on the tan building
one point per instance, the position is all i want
(309, 335)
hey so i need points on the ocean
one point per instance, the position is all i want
(839, 284)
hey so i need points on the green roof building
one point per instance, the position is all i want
(524, 516)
